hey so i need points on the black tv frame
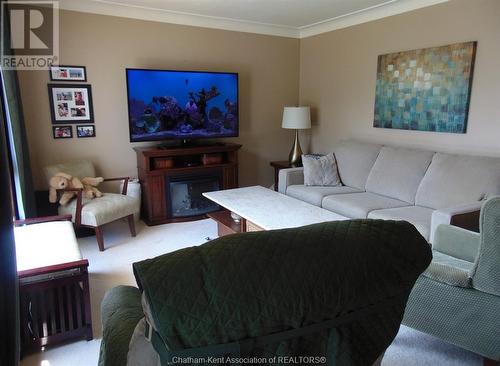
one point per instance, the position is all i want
(185, 139)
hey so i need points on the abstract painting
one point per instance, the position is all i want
(426, 89)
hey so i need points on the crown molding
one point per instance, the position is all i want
(387, 9)
(114, 8)
(117, 9)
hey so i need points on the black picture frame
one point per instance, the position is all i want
(61, 110)
(82, 136)
(59, 127)
(68, 68)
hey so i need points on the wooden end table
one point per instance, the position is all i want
(278, 165)
(53, 283)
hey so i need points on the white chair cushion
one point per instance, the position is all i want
(314, 194)
(358, 205)
(102, 210)
(45, 244)
(418, 216)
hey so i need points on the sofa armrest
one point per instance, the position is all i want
(456, 242)
(464, 216)
(121, 310)
(288, 177)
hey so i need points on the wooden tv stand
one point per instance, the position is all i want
(159, 166)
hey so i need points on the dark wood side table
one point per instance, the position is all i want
(278, 165)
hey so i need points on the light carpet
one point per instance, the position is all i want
(114, 267)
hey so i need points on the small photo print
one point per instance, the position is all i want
(76, 74)
(62, 109)
(62, 73)
(68, 73)
(79, 98)
(64, 96)
(62, 132)
(85, 131)
(78, 112)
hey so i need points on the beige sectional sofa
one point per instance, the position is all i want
(423, 187)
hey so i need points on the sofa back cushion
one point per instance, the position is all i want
(454, 180)
(354, 161)
(397, 172)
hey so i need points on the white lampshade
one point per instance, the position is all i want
(297, 118)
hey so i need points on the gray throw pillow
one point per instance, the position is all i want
(320, 170)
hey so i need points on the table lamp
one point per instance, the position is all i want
(296, 118)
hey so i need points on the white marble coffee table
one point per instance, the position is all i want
(264, 209)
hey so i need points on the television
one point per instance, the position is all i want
(168, 104)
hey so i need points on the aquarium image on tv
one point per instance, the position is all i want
(164, 104)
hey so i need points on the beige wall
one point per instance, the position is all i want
(268, 69)
(337, 78)
(338, 74)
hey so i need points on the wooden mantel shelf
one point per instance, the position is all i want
(180, 150)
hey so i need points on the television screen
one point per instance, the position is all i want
(166, 104)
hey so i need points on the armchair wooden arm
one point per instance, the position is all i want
(78, 211)
(38, 220)
(125, 183)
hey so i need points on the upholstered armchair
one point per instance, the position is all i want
(458, 297)
(94, 213)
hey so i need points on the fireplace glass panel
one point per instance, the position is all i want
(186, 197)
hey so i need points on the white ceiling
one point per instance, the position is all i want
(290, 18)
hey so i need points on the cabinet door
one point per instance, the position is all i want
(156, 199)
(230, 178)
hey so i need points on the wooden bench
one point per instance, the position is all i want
(53, 283)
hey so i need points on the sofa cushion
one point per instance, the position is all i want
(454, 180)
(420, 217)
(354, 161)
(358, 205)
(314, 194)
(397, 172)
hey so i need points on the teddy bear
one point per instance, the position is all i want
(65, 181)
(89, 187)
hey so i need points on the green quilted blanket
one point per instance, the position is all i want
(121, 310)
(249, 285)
